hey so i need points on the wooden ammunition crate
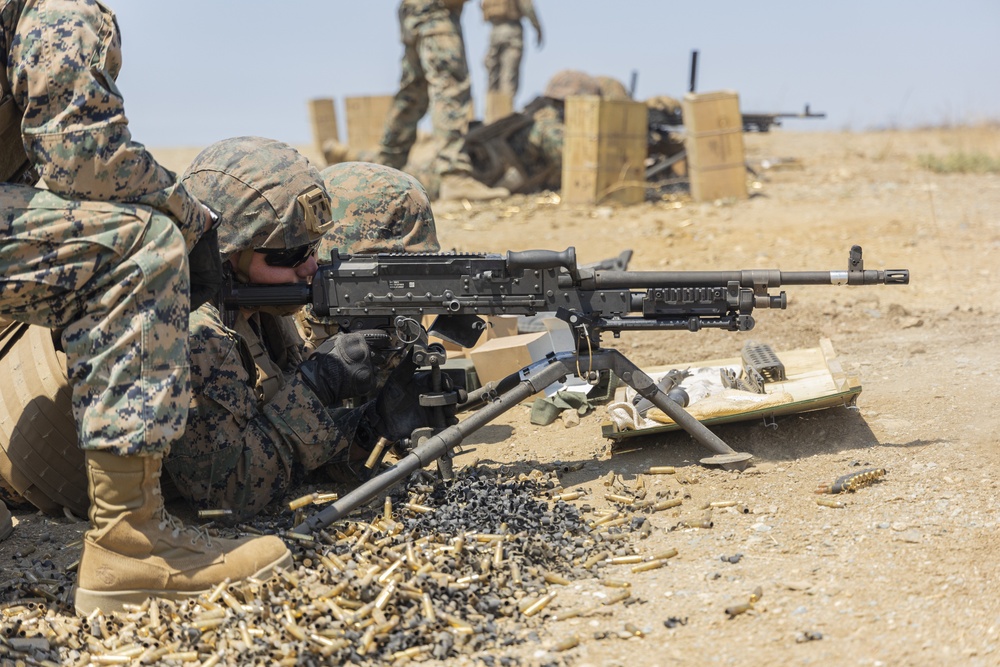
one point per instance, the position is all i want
(713, 140)
(323, 116)
(604, 152)
(366, 120)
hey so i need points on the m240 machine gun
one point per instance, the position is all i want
(392, 293)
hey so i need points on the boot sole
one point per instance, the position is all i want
(87, 601)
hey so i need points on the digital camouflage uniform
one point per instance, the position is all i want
(101, 254)
(376, 209)
(506, 45)
(255, 427)
(534, 137)
(435, 76)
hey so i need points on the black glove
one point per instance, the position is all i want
(340, 368)
(206, 268)
(397, 411)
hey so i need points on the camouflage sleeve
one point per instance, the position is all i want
(64, 65)
(236, 452)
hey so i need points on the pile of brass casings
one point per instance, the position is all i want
(440, 570)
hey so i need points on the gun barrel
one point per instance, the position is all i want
(745, 278)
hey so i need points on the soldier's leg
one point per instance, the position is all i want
(492, 61)
(114, 278)
(443, 58)
(510, 65)
(408, 106)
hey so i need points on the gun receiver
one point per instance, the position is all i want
(393, 292)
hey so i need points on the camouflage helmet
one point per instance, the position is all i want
(377, 209)
(612, 88)
(663, 103)
(266, 193)
(571, 82)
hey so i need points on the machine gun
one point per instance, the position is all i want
(666, 120)
(391, 293)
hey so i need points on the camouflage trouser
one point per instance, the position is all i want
(435, 76)
(113, 277)
(503, 57)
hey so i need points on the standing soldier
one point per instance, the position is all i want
(435, 76)
(101, 254)
(503, 58)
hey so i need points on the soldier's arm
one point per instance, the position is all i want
(528, 9)
(74, 125)
(237, 451)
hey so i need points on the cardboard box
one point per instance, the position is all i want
(713, 140)
(323, 116)
(496, 359)
(366, 120)
(604, 155)
(497, 326)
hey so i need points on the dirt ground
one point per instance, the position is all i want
(905, 573)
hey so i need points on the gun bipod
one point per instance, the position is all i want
(532, 379)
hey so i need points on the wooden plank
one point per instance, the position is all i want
(815, 381)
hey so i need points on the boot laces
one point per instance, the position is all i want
(197, 533)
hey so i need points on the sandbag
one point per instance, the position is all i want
(39, 455)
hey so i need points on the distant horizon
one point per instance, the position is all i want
(196, 72)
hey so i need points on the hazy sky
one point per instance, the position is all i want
(196, 71)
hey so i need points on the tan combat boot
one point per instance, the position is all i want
(135, 549)
(6, 525)
(462, 186)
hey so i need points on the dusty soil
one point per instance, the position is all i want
(905, 573)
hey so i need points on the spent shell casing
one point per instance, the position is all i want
(539, 604)
(723, 503)
(376, 452)
(615, 583)
(661, 470)
(634, 630)
(611, 516)
(594, 559)
(300, 537)
(738, 609)
(301, 501)
(830, 502)
(569, 495)
(663, 555)
(564, 614)
(419, 509)
(617, 597)
(566, 643)
(625, 560)
(666, 504)
(617, 498)
(649, 565)
(206, 514)
(553, 578)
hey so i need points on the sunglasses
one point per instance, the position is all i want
(288, 258)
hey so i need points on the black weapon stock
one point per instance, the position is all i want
(393, 292)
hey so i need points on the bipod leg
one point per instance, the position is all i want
(440, 444)
(636, 378)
